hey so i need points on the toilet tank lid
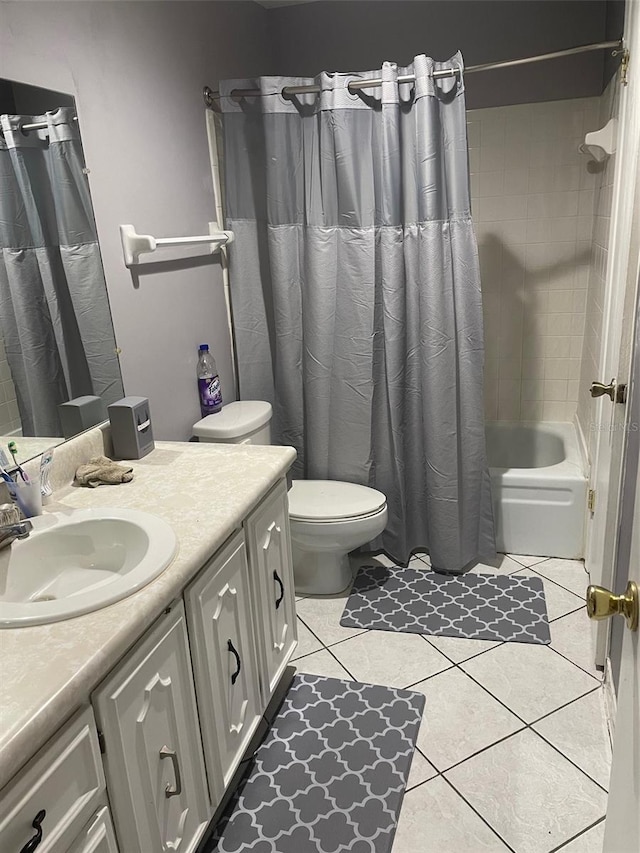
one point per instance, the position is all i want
(325, 500)
(233, 420)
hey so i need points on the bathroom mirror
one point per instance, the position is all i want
(56, 333)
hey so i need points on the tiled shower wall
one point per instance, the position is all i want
(609, 103)
(9, 416)
(532, 203)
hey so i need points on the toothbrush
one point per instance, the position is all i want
(5, 475)
(45, 464)
(15, 492)
(13, 450)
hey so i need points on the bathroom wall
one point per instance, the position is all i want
(352, 35)
(9, 415)
(137, 72)
(603, 196)
(532, 202)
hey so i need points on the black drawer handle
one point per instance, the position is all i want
(276, 578)
(32, 843)
(237, 657)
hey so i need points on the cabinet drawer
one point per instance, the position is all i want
(98, 836)
(64, 779)
(223, 650)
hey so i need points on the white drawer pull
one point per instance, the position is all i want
(165, 752)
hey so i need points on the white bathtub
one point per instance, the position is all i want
(539, 488)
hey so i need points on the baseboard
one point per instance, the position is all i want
(610, 702)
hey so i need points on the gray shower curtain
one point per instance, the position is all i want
(356, 293)
(54, 311)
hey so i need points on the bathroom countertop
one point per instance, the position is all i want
(204, 491)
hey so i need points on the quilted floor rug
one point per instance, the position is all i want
(480, 607)
(330, 774)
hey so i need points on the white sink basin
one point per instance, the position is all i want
(73, 564)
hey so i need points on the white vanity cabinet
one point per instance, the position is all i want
(271, 572)
(176, 714)
(221, 633)
(153, 759)
(55, 795)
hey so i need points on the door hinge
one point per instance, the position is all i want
(101, 743)
(591, 501)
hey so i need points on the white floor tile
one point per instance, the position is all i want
(533, 797)
(589, 842)
(572, 637)
(459, 719)
(502, 565)
(458, 649)
(531, 680)
(559, 600)
(434, 819)
(307, 643)
(527, 560)
(321, 663)
(571, 574)
(579, 731)
(421, 770)
(322, 614)
(392, 659)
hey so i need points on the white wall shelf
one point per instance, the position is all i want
(134, 244)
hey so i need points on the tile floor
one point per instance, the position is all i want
(513, 752)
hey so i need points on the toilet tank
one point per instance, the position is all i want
(242, 422)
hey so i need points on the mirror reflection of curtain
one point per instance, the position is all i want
(54, 309)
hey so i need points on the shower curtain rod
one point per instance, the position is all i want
(39, 125)
(357, 85)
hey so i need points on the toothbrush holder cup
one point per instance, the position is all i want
(27, 496)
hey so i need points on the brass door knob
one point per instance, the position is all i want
(602, 603)
(616, 393)
(599, 389)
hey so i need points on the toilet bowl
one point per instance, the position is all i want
(328, 518)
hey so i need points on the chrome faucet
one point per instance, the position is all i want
(12, 525)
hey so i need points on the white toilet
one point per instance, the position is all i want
(328, 518)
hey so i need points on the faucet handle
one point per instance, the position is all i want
(9, 515)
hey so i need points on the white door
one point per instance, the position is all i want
(622, 831)
(607, 417)
(223, 647)
(146, 710)
(271, 570)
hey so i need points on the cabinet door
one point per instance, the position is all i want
(98, 836)
(223, 650)
(271, 573)
(153, 754)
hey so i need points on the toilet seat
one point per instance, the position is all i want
(326, 501)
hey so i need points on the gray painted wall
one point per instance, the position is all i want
(137, 72)
(348, 35)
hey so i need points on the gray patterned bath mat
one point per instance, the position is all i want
(479, 607)
(330, 774)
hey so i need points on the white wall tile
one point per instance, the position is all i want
(560, 301)
(533, 203)
(531, 410)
